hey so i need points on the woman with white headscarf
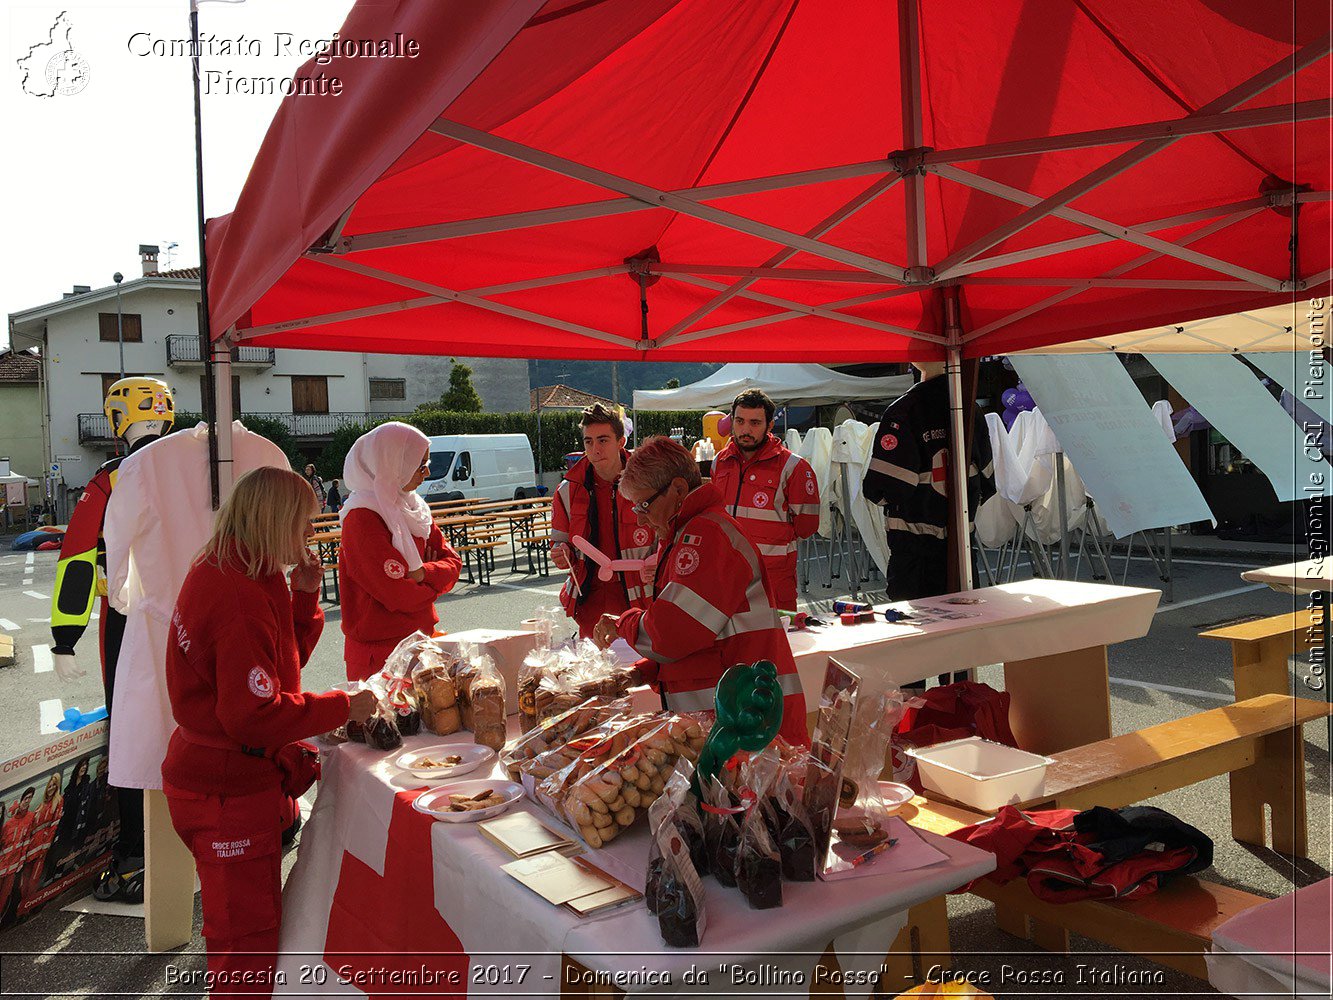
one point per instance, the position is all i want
(393, 562)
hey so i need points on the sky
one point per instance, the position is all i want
(95, 172)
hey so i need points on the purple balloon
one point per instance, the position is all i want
(1022, 400)
(1009, 416)
(1007, 397)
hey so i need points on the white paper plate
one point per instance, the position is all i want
(435, 803)
(474, 756)
(895, 795)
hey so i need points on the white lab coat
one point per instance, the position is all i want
(158, 518)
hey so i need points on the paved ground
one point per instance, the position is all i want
(1168, 674)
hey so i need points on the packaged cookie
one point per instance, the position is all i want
(559, 730)
(720, 810)
(790, 825)
(672, 890)
(758, 862)
(486, 704)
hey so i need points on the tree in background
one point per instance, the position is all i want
(672, 383)
(462, 395)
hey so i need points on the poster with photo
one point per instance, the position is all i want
(57, 821)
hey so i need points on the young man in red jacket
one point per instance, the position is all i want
(768, 489)
(588, 503)
(712, 606)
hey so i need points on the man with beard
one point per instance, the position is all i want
(769, 490)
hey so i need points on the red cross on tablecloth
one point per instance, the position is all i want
(378, 926)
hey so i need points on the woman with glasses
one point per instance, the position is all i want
(713, 604)
(392, 560)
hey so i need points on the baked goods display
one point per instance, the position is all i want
(558, 730)
(552, 681)
(470, 803)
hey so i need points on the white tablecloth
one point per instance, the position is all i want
(1278, 949)
(1295, 578)
(492, 913)
(1014, 621)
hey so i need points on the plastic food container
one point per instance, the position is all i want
(980, 773)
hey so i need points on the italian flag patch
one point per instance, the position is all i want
(691, 540)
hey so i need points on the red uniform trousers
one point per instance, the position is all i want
(364, 660)
(236, 843)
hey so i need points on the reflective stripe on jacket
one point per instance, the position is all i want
(713, 609)
(570, 516)
(775, 499)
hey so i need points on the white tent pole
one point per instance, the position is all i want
(953, 372)
(1237, 95)
(659, 198)
(223, 413)
(909, 67)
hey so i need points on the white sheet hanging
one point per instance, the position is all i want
(817, 449)
(852, 443)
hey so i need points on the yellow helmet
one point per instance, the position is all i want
(135, 399)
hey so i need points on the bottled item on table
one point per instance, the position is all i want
(672, 889)
(758, 862)
(719, 809)
(560, 730)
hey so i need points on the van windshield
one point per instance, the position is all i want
(439, 464)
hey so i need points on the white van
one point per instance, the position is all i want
(493, 466)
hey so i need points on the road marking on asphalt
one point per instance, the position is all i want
(40, 620)
(7, 625)
(1211, 597)
(27, 581)
(27, 563)
(42, 660)
(1169, 689)
(51, 712)
(36, 596)
(481, 589)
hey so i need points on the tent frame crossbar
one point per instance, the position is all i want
(832, 221)
(1114, 230)
(659, 198)
(1241, 93)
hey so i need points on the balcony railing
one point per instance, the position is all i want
(94, 430)
(314, 425)
(183, 350)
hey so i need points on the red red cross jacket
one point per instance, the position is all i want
(571, 515)
(712, 610)
(380, 602)
(14, 840)
(775, 499)
(234, 658)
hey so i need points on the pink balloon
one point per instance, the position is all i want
(724, 426)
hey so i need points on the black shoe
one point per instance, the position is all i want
(289, 834)
(121, 882)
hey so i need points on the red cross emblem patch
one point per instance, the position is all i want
(939, 471)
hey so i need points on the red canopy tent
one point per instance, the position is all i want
(785, 180)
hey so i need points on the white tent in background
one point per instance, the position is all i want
(796, 385)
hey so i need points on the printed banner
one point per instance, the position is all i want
(1101, 420)
(59, 820)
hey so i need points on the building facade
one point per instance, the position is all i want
(148, 326)
(20, 415)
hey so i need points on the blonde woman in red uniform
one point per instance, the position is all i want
(43, 833)
(392, 560)
(239, 638)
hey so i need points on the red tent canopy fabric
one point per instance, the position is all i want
(785, 180)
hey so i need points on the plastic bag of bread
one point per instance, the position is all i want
(484, 711)
(536, 665)
(610, 797)
(432, 679)
(560, 730)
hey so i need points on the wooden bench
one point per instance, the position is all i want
(1257, 741)
(1260, 651)
(1173, 926)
